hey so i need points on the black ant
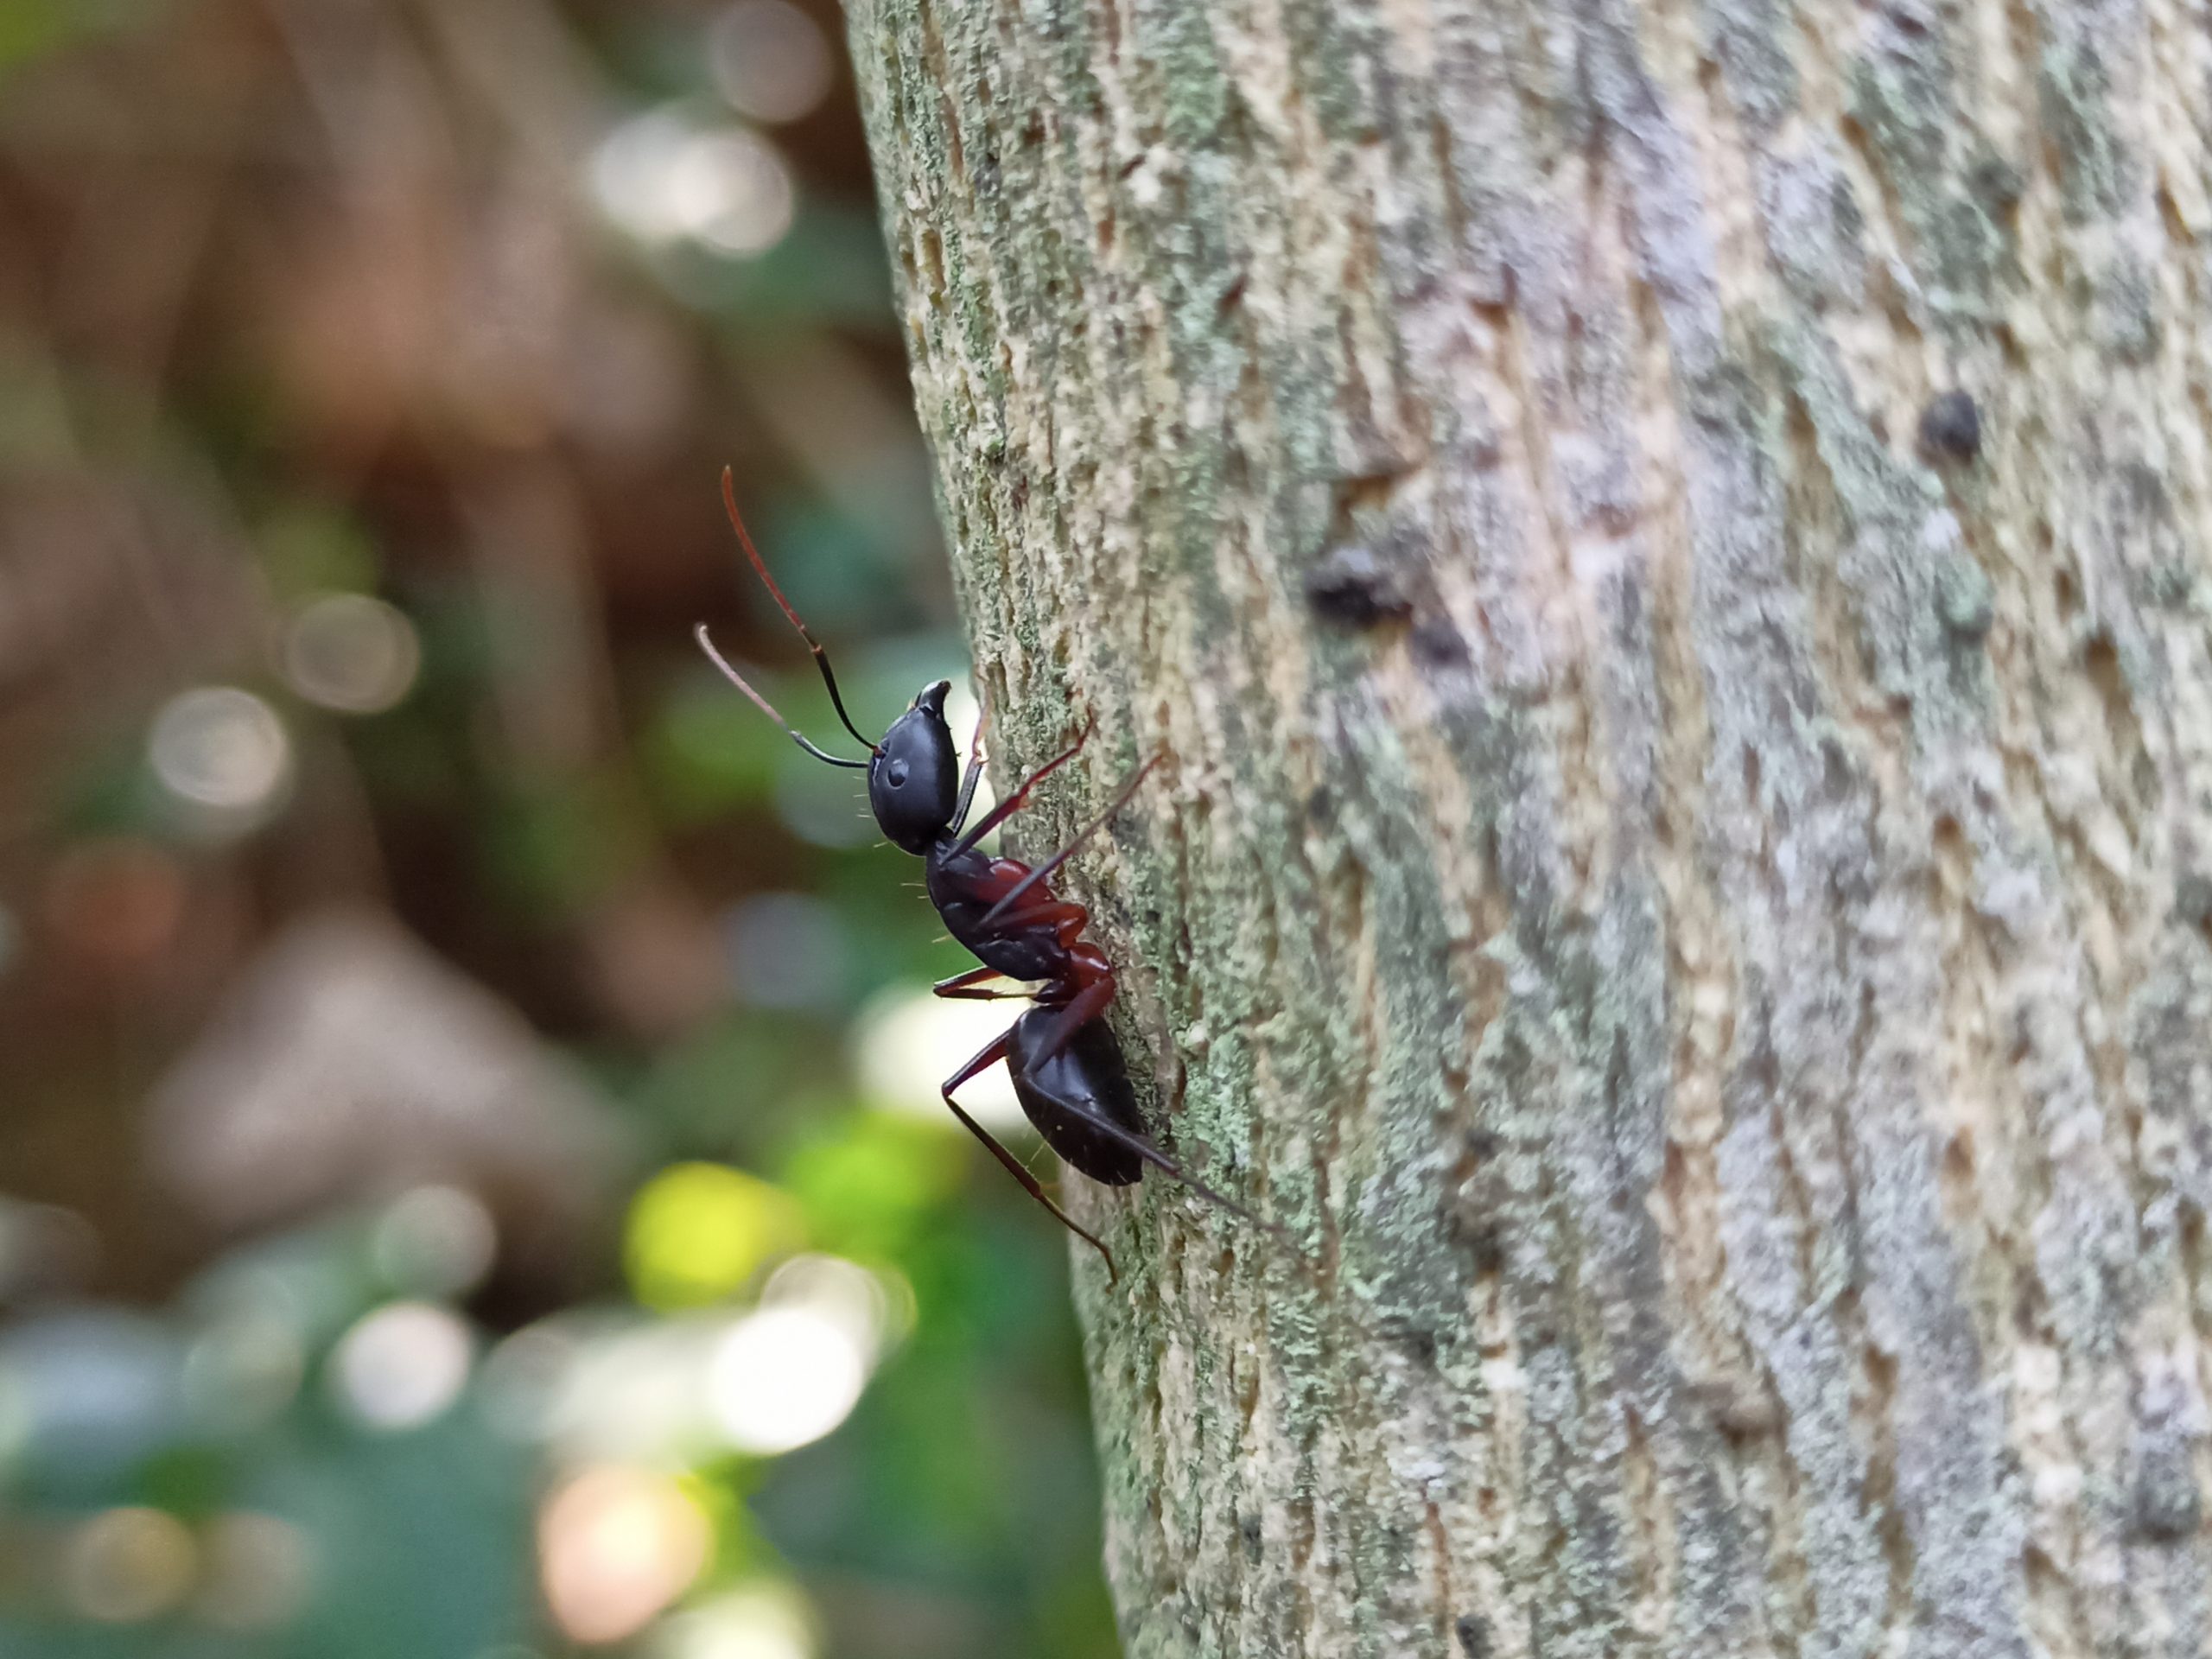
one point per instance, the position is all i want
(1066, 1065)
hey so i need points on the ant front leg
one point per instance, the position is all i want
(969, 987)
(1020, 799)
(995, 1052)
(974, 758)
(1043, 872)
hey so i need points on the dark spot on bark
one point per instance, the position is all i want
(1484, 1144)
(1438, 644)
(2144, 492)
(1248, 1529)
(1837, 774)
(2193, 897)
(2167, 1504)
(1474, 1635)
(1997, 184)
(1740, 1410)
(1321, 808)
(1950, 430)
(1354, 588)
(1418, 1341)
(1233, 295)
(1485, 1244)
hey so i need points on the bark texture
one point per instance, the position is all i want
(1666, 545)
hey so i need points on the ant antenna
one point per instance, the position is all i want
(764, 705)
(760, 569)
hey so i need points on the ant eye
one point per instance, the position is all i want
(896, 773)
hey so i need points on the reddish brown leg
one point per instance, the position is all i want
(1055, 915)
(1013, 803)
(962, 985)
(974, 758)
(1076, 1012)
(1008, 899)
(990, 1057)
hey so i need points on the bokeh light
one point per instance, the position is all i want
(523, 1379)
(224, 756)
(666, 177)
(616, 1546)
(115, 902)
(909, 1042)
(243, 1369)
(759, 1622)
(402, 1365)
(634, 1394)
(786, 1376)
(699, 1231)
(873, 1307)
(435, 1241)
(769, 59)
(352, 653)
(126, 1565)
(258, 1571)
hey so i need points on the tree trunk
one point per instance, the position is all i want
(1665, 547)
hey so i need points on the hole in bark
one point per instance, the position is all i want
(2068, 595)
(1956, 1179)
(2100, 661)
(1439, 644)
(1950, 430)
(1947, 848)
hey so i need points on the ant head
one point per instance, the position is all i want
(913, 782)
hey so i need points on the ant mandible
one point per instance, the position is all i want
(1066, 1065)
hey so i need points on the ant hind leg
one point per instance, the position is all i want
(992, 1054)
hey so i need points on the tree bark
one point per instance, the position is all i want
(1666, 548)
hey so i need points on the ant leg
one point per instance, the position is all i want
(1061, 857)
(1078, 1011)
(1143, 1147)
(962, 981)
(969, 987)
(1057, 914)
(983, 1062)
(1013, 803)
(974, 759)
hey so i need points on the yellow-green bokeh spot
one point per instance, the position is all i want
(698, 1232)
(869, 1179)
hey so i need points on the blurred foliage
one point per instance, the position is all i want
(461, 1193)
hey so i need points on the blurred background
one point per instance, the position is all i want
(471, 1177)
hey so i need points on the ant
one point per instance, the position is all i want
(1066, 1065)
